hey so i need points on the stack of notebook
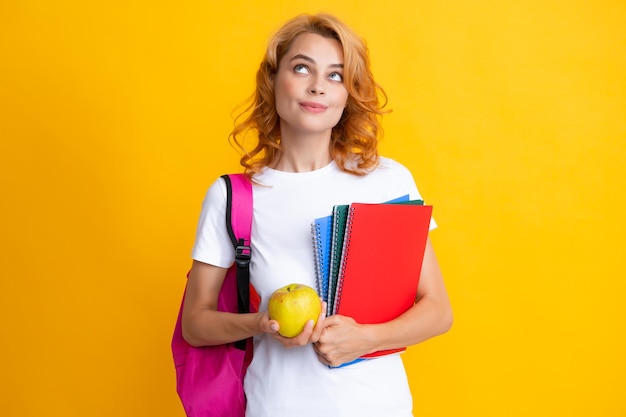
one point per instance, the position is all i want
(369, 257)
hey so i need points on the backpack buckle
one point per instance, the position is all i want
(242, 254)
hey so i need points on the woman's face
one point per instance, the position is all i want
(309, 90)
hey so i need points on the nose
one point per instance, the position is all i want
(317, 86)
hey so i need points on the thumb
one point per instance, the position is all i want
(274, 326)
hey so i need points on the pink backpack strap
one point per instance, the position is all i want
(240, 210)
(239, 225)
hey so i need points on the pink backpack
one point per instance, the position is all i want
(209, 380)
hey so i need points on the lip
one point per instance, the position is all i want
(313, 107)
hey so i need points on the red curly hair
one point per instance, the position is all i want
(354, 140)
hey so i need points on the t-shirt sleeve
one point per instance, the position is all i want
(405, 180)
(212, 244)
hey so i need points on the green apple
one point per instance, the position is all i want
(292, 306)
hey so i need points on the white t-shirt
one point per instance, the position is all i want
(292, 382)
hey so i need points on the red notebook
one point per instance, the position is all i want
(382, 259)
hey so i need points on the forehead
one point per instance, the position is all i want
(321, 49)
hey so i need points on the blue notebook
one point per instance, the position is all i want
(322, 228)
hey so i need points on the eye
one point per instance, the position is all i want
(301, 69)
(335, 76)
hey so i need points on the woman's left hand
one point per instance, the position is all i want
(342, 340)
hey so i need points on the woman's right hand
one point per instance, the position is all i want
(267, 325)
(310, 334)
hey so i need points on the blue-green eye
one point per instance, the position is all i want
(301, 69)
(335, 76)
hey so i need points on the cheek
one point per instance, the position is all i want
(284, 86)
(342, 98)
(283, 91)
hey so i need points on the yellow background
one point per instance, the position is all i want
(511, 115)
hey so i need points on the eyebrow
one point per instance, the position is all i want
(312, 61)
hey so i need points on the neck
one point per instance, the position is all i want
(303, 153)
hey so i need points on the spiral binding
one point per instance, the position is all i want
(335, 255)
(345, 250)
(317, 255)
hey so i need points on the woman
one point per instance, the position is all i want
(315, 113)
